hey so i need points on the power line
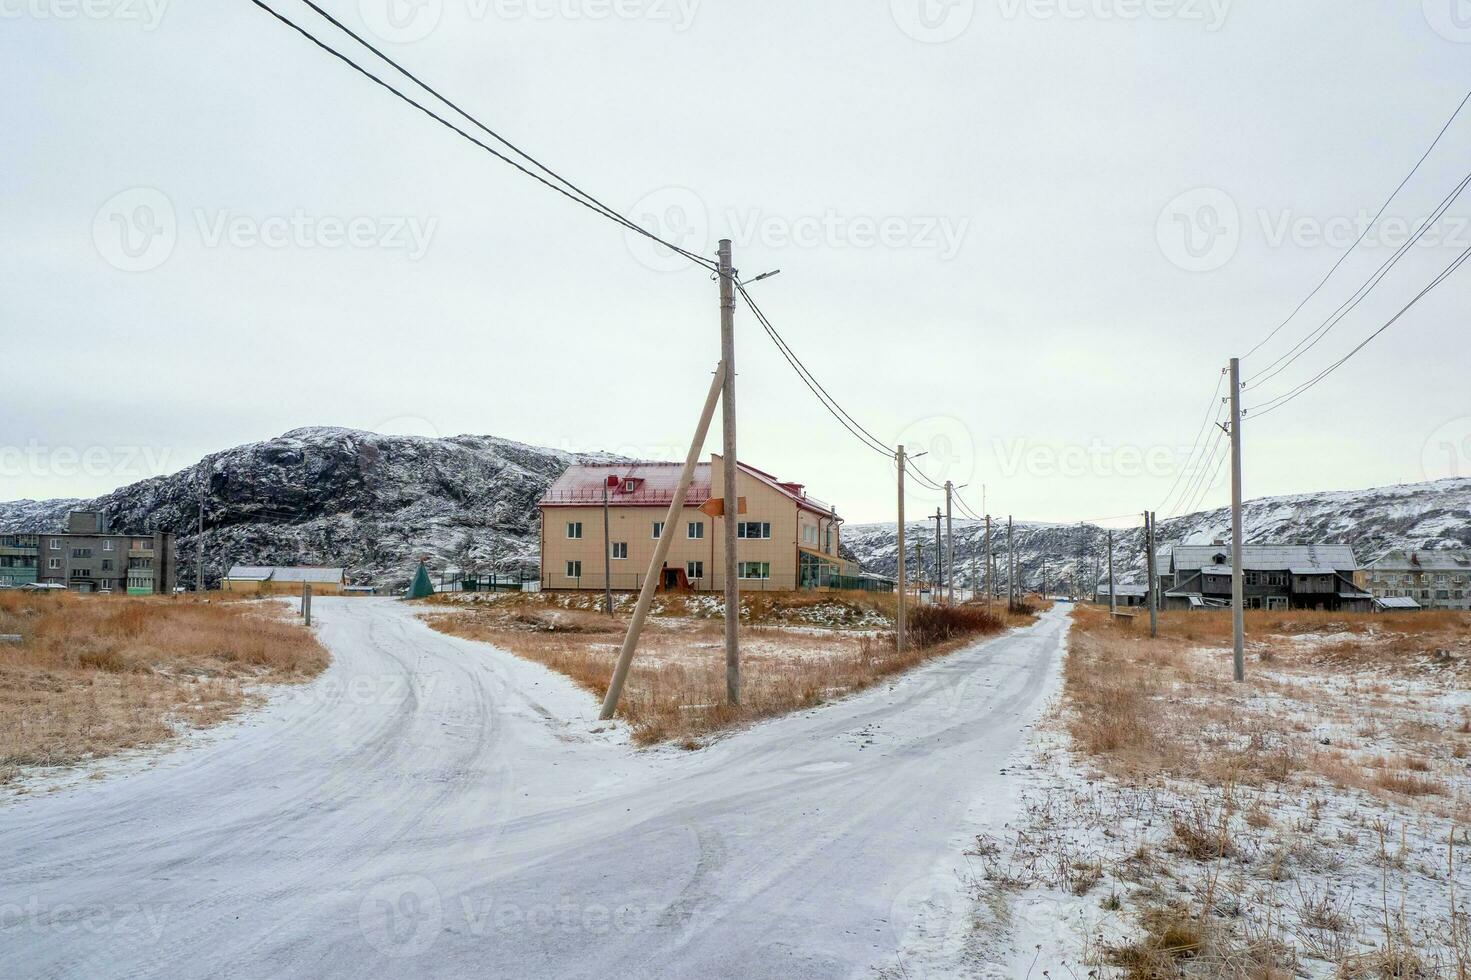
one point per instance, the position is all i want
(1283, 399)
(1342, 258)
(1349, 305)
(1198, 445)
(576, 195)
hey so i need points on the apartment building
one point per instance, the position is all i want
(1275, 576)
(786, 538)
(87, 557)
(1434, 579)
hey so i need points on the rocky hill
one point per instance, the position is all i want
(377, 504)
(373, 503)
(1420, 515)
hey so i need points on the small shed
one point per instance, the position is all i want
(283, 580)
(1395, 603)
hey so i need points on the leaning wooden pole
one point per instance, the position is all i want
(661, 550)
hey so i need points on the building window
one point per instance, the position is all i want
(107, 564)
(53, 563)
(753, 529)
(55, 544)
(574, 530)
(694, 570)
(629, 486)
(618, 550)
(658, 529)
(81, 573)
(81, 552)
(753, 569)
(107, 545)
(695, 531)
(574, 569)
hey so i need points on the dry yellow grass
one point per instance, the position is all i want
(93, 675)
(676, 687)
(1168, 706)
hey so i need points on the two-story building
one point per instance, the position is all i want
(786, 539)
(87, 557)
(1275, 576)
(1434, 579)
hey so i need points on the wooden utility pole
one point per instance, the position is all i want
(607, 555)
(1044, 576)
(1011, 570)
(990, 566)
(731, 464)
(949, 544)
(901, 560)
(1152, 572)
(306, 602)
(939, 557)
(919, 563)
(199, 542)
(1113, 604)
(1238, 590)
(661, 550)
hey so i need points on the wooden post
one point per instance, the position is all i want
(607, 555)
(1238, 584)
(731, 464)
(1113, 604)
(899, 620)
(661, 550)
(990, 567)
(306, 602)
(1152, 572)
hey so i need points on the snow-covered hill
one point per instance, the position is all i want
(1420, 515)
(378, 503)
(333, 496)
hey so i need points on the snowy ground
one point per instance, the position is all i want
(430, 807)
(1320, 874)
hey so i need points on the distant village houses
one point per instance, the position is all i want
(1428, 579)
(1276, 576)
(89, 557)
(787, 539)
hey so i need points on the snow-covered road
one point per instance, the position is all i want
(430, 807)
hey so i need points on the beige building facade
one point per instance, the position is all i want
(786, 539)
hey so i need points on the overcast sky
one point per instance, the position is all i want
(1024, 235)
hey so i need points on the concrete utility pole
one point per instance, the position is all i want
(306, 602)
(900, 557)
(949, 544)
(728, 426)
(1044, 576)
(1238, 591)
(1113, 604)
(661, 550)
(199, 543)
(939, 557)
(919, 563)
(990, 566)
(1078, 576)
(607, 555)
(1152, 572)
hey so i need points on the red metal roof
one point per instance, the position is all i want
(654, 485)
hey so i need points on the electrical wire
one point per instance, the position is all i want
(575, 195)
(1199, 444)
(1342, 258)
(1265, 408)
(1312, 339)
